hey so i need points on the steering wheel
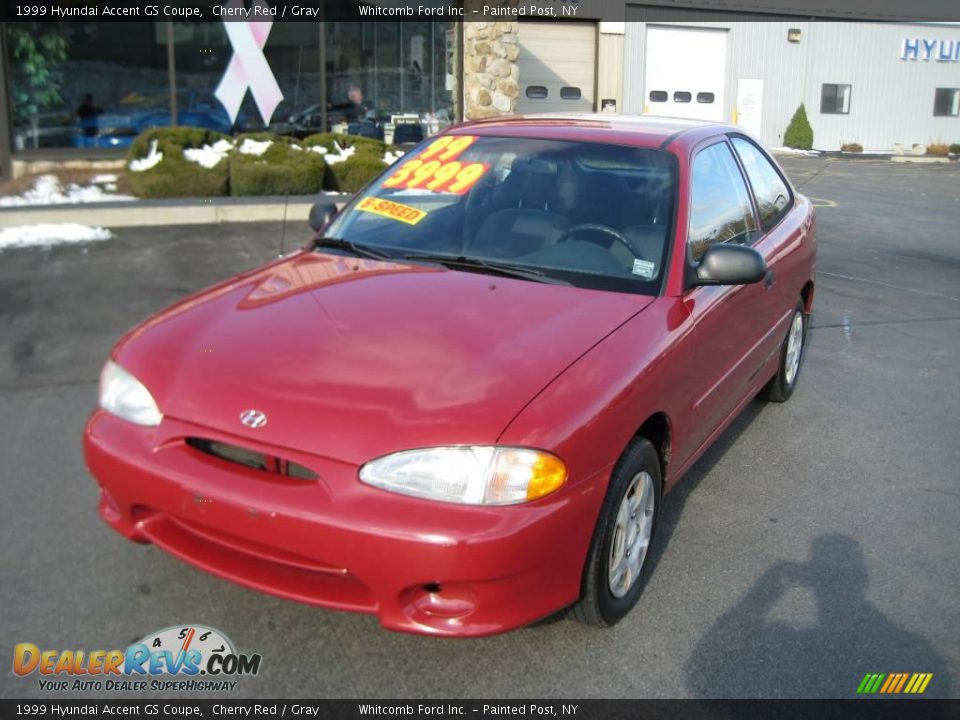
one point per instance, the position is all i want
(596, 227)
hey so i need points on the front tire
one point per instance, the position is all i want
(619, 553)
(782, 385)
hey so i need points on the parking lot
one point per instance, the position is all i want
(815, 542)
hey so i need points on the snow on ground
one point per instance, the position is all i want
(340, 155)
(153, 157)
(209, 155)
(47, 190)
(104, 179)
(389, 157)
(49, 234)
(794, 151)
(255, 147)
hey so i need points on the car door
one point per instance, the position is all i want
(729, 321)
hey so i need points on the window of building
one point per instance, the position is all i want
(769, 188)
(720, 208)
(658, 96)
(705, 97)
(681, 96)
(946, 102)
(570, 93)
(536, 92)
(835, 99)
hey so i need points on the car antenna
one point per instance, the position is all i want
(283, 232)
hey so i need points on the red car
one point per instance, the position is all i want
(458, 409)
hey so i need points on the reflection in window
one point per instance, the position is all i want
(771, 192)
(536, 92)
(720, 205)
(704, 97)
(835, 99)
(681, 96)
(946, 102)
(658, 96)
(570, 93)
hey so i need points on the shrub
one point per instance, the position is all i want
(851, 147)
(955, 148)
(938, 148)
(175, 176)
(281, 170)
(352, 174)
(799, 134)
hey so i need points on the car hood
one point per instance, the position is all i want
(352, 359)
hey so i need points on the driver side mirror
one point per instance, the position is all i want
(321, 214)
(729, 265)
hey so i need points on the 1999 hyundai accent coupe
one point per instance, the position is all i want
(458, 408)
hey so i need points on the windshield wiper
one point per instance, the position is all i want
(485, 266)
(359, 249)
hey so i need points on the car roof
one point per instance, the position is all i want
(636, 130)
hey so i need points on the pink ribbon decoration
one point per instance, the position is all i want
(248, 68)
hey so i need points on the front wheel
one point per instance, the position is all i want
(613, 577)
(781, 387)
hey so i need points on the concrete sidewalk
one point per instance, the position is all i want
(177, 211)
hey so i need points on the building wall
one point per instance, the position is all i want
(891, 99)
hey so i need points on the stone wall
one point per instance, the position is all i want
(490, 70)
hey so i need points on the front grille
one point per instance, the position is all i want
(252, 458)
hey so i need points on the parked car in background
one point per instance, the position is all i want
(460, 406)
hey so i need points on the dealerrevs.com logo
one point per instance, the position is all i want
(179, 658)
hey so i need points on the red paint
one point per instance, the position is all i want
(352, 359)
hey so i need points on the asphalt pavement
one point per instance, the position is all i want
(815, 542)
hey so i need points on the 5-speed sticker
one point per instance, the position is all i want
(393, 210)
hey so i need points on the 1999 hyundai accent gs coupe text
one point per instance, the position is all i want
(459, 407)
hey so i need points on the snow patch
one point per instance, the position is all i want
(795, 151)
(47, 190)
(209, 155)
(341, 155)
(104, 179)
(255, 147)
(153, 157)
(49, 234)
(390, 157)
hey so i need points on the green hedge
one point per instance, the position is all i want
(282, 169)
(175, 176)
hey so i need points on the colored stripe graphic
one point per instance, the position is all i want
(894, 683)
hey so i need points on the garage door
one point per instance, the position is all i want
(685, 72)
(557, 67)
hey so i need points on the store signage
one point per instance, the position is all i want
(248, 67)
(930, 49)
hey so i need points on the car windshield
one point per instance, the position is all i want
(588, 214)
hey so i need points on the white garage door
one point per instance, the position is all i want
(685, 72)
(557, 67)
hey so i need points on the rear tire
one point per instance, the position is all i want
(619, 555)
(782, 385)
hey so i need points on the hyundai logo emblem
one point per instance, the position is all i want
(253, 418)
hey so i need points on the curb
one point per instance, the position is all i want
(189, 211)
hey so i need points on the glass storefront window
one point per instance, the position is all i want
(99, 84)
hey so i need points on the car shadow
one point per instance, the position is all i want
(754, 650)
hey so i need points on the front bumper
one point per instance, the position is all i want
(419, 566)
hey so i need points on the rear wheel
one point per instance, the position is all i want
(614, 574)
(781, 387)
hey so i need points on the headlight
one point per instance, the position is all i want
(471, 475)
(124, 396)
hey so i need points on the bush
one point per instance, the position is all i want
(175, 176)
(799, 134)
(281, 170)
(938, 148)
(352, 174)
(955, 148)
(851, 147)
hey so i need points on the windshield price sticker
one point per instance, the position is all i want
(437, 169)
(393, 210)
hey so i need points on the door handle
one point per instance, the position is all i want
(769, 279)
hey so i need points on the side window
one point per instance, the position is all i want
(773, 196)
(720, 209)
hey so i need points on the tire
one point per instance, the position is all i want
(604, 601)
(782, 385)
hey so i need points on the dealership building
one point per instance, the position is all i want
(82, 89)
